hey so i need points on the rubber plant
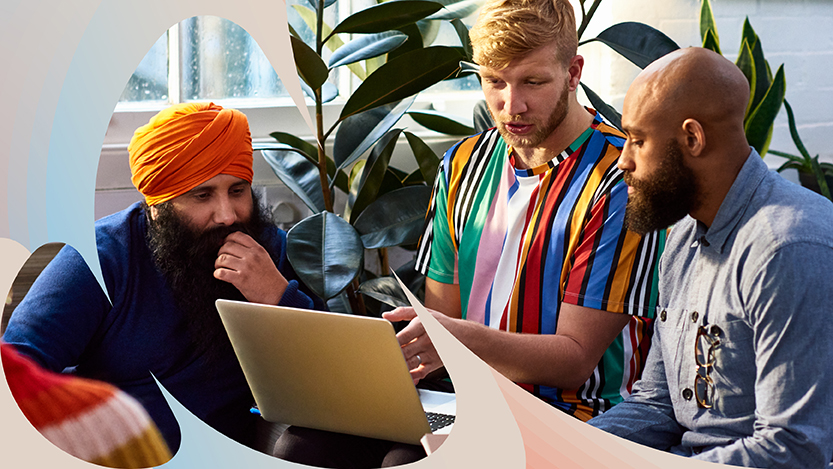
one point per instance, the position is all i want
(388, 48)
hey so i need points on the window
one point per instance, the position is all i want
(210, 58)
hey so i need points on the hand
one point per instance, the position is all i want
(244, 263)
(420, 355)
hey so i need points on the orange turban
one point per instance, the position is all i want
(187, 144)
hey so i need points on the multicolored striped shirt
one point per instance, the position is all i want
(519, 242)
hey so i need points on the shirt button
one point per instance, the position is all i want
(695, 244)
(687, 393)
(662, 315)
(694, 316)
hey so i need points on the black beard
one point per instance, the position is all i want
(186, 259)
(665, 197)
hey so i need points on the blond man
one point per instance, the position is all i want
(527, 259)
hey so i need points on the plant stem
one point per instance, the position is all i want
(586, 16)
(356, 301)
(319, 116)
(384, 263)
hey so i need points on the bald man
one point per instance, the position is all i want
(740, 369)
(199, 235)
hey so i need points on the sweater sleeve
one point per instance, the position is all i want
(60, 314)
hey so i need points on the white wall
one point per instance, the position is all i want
(797, 33)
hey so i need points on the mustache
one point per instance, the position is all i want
(630, 180)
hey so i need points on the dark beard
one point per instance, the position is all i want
(665, 197)
(186, 259)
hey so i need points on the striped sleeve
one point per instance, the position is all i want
(613, 268)
(88, 419)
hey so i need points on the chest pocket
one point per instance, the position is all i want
(734, 368)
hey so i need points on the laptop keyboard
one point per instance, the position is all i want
(438, 421)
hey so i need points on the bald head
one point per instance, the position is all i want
(693, 83)
(684, 119)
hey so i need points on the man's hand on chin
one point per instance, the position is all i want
(244, 263)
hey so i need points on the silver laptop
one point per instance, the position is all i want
(330, 371)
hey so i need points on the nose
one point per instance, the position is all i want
(625, 162)
(224, 213)
(514, 102)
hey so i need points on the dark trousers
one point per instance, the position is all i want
(340, 451)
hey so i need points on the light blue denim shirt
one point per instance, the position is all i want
(763, 274)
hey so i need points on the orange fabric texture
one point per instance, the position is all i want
(187, 144)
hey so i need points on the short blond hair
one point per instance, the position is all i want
(509, 29)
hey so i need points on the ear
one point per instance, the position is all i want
(153, 212)
(695, 137)
(574, 70)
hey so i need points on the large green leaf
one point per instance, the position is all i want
(710, 42)
(329, 91)
(386, 290)
(335, 43)
(707, 23)
(309, 150)
(414, 42)
(442, 123)
(310, 66)
(748, 34)
(820, 179)
(762, 74)
(463, 33)
(404, 76)
(395, 218)
(298, 174)
(414, 178)
(326, 253)
(746, 64)
(458, 10)
(365, 47)
(386, 16)
(374, 173)
(353, 185)
(637, 42)
(606, 110)
(758, 127)
(391, 182)
(425, 157)
(358, 133)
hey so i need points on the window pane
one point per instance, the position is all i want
(221, 60)
(150, 80)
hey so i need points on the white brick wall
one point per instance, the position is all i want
(797, 33)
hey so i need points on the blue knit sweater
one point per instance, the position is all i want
(66, 321)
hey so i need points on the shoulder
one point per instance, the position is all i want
(120, 226)
(475, 147)
(611, 134)
(781, 213)
(121, 242)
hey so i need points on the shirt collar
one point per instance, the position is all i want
(569, 151)
(736, 201)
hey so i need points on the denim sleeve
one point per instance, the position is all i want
(647, 415)
(790, 303)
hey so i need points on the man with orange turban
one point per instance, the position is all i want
(199, 235)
